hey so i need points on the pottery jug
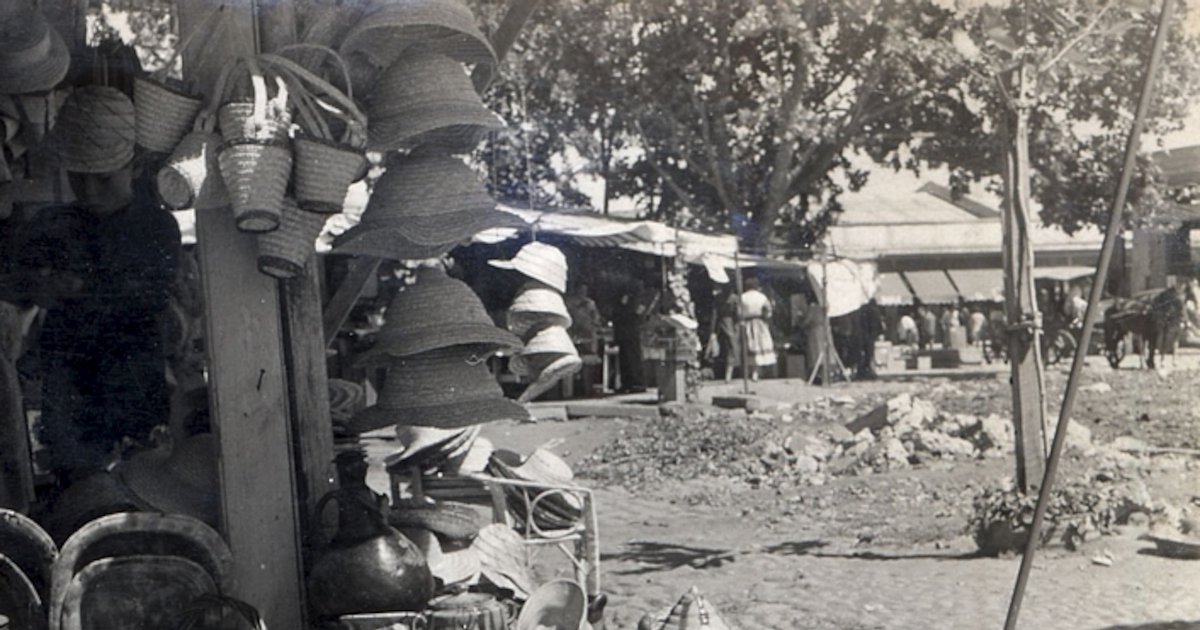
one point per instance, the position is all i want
(368, 566)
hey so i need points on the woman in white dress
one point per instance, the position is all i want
(756, 315)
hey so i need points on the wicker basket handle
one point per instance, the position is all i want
(341, 99)
(208, 24)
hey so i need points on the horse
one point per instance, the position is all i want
(1155, 318)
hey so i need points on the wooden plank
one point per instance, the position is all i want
(600, 409)
(309, 390)
(248, 401)
(247, 378)
(361, 270)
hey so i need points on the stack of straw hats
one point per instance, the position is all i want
(539, 315)
(435, 343)
(33, 56)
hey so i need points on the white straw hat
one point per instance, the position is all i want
(542, 262)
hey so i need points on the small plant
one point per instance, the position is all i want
(1076, 512)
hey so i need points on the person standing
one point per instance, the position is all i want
(103, 268)
(627, 333)
(756, 310)
(926, 326)
(729, 336)
(586, 323)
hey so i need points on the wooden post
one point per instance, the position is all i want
(247, 378)
(1024, 321)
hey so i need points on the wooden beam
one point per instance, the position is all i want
(309, 390)
(361, 270)
(247, 374)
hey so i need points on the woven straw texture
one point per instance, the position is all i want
(284, 251)
(550, 340)
(95, 131)
(163, 114)
(436, 312)
(235, 120)
(35, 57)
(386, 240)
(446, 388)
(541, 262)
(536, 307)
(434, 200)
(256, 175)
(185, 175)
(322, 174)
(182, 481)
(424, 92)
(444, 26)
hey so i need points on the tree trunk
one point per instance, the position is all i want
(1024, 321)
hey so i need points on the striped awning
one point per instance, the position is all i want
(977, 285)
(892, 290)
(933, 287)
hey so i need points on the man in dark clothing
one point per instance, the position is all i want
(108, 262)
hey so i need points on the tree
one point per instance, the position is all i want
(743, 114)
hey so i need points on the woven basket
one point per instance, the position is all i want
(256, 176)
(283, 252)
(235, 120)
(163, 114)
(323, 172)
(186, 173)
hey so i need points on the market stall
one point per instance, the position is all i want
(272, 118)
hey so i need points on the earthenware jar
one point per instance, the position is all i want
(368, 566)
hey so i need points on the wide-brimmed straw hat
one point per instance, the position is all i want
(541, 262)
(430, 448)
(426, 98)
(555, 605)
(33, 56)
(448, 388)
(387, 241)
(553, 340)
(437, 311)
(504, 559)
(456, 522)
(535, 306)
(389, 28)
(95, 131)
(434, 199)
(183, 480)
(558, 368)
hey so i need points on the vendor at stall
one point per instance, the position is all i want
(102, 267)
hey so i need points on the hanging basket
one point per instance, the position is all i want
(256, 175)
(237, 122)
(283, 253)
(323, 172)
(163, 114)
(164, 108)
(186, 178)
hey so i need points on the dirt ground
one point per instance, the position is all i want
(890, 549)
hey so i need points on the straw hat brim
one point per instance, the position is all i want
(549, 275)
(389, 242)
(452, 415)
(428, 230)
(464, 125)
(504, 559)
(425, 442)
(557, 370)
(450, 521)
(382, 36)
(418, 339)
(555, 604)
(40, 75)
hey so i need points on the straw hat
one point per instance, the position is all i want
(503, 559)
(436, 312)
(444, 26)
(457, 567)
(181, 481)
(542, 262)
(691, 611)
(426, 98)
(429, 448)
(96, 130)
(537, 305)
(450, 521)
(553, 340)
(557, 369)
(33, 56)
(555, 605)
(388, 241)
(447, 388)
(434, 199)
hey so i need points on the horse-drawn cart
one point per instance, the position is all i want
(1148, 321)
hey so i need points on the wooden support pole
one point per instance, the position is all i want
(248, 379)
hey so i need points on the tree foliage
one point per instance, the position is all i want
(745, 114)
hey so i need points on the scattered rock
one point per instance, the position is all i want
(941, 444)
(1097, 388)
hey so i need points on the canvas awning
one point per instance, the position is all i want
(892, 290)
(1063, 274)
(979, 284)
(933, 287)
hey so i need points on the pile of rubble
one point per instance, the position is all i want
(774, 444)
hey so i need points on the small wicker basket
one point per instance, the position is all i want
(256, 175)
(283, 252)
(323, 173)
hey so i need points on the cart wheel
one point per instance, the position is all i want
(1062, 345)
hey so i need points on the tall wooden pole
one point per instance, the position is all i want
(1111, 237)
(1024, 320)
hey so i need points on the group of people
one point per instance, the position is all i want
(743, 333)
